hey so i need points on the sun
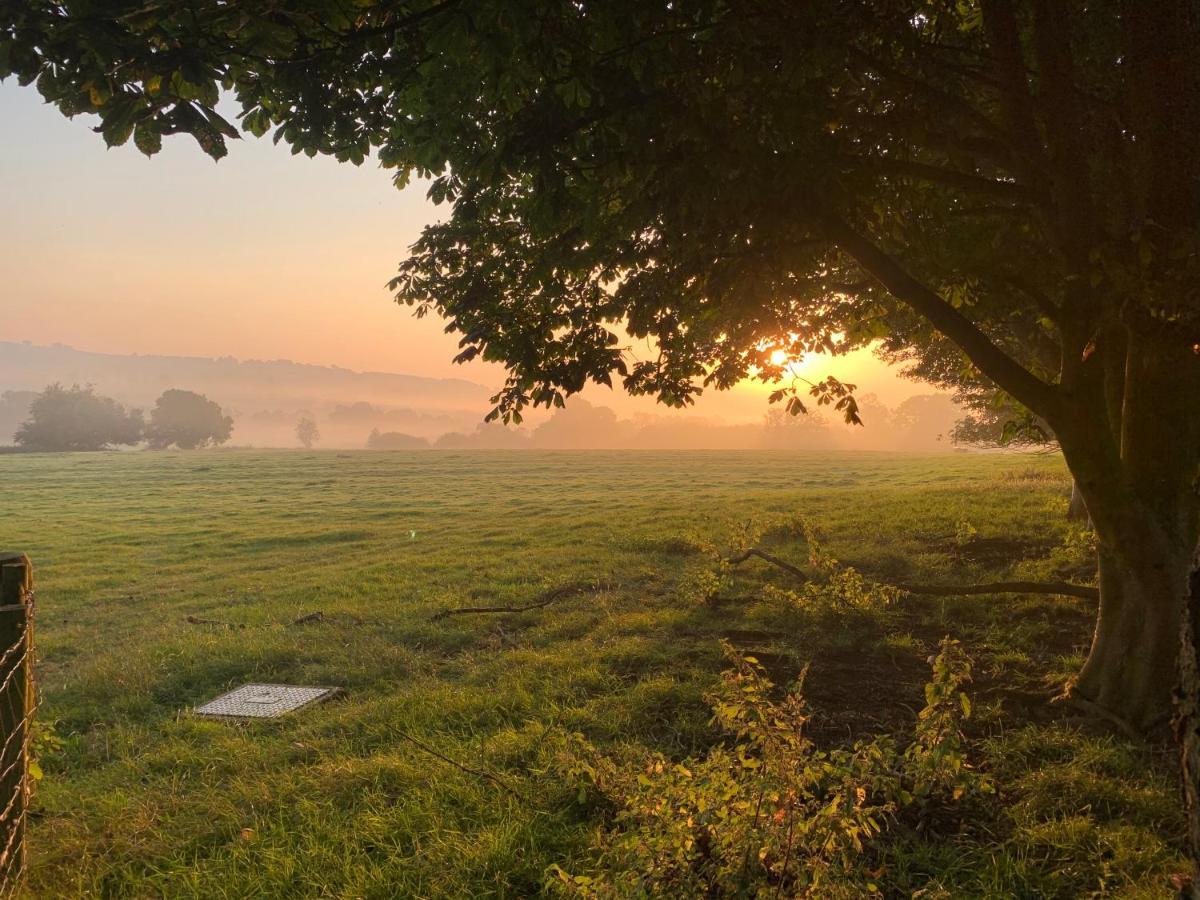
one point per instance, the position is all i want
(791, 365)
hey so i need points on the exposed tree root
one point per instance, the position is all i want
(1083, 704)
(1062, 588)
(553, 595)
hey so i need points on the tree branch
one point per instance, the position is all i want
(997, 365)
(1000, 23)
(545, 599)
(965, 181)
(1062, 588)
(478, 773)
(739, 558)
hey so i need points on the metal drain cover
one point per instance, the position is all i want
(263, 701)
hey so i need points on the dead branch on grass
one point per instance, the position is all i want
(196, 620)
(553, 595)
(1062, 588)
(308, 619)
(739, 558)
(478, 773)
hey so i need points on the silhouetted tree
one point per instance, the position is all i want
(1016, 178)
(188, 421)
(394, 440)
(486, 436)
(307, 432)
(77, 418)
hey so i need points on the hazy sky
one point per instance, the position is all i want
(262, 255)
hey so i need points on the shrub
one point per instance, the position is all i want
(771, 814)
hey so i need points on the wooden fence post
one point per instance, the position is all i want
(16, 710)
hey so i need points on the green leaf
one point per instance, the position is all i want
(146, 137)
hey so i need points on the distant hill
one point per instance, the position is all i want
(267, 398)
(264, 396)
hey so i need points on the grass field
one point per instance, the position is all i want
(144, 800)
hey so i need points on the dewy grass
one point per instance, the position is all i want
(141, 799)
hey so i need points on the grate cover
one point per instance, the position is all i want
(263, 701)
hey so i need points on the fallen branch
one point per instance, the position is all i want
(739, 558)
(196, 620)
(478, 773)
(309, 619)
(1063, 588)
(553, 595)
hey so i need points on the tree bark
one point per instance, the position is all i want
(1138, 478)
(1077, 508)
(1187, 721)
(1131, 669)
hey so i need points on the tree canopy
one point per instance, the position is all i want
(725, 178)
(1004, 189)
(188, 421)
(77, 418)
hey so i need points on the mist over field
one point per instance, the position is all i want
(267, 398)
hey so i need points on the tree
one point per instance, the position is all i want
(783, 431)
(188, 421)
(583, 425)
(307, 432)
(394, 440)
(486, 436)
(77, 418)
(1014, 179)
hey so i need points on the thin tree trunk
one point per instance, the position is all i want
(1187, 721)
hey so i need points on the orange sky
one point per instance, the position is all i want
(263, 255)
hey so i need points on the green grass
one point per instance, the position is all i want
(144, 800)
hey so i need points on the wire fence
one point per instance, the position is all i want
(18, 703)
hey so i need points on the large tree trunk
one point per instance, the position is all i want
(1132, 443)
(1131, 669)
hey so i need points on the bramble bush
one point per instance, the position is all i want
(770, 814)
(832, 585)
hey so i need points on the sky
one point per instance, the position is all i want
(263, 255)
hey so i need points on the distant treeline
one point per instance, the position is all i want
(921, 423)
(77, 418)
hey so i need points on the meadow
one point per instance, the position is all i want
(165, 579)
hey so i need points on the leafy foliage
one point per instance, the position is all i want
(773, 815)
(727, 179)
(77, 418)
